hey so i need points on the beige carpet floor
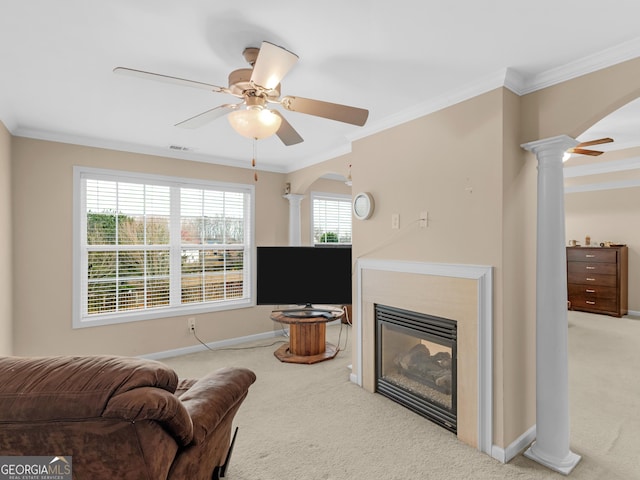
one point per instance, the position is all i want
(309, 422)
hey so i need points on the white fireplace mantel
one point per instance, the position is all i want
(484, 278)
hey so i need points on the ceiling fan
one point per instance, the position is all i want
(257, 87)
(594, 153)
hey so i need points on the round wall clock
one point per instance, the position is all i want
(363, 205)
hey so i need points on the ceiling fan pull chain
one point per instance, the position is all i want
(253, 160)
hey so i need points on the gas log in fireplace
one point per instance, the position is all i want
(416, 363)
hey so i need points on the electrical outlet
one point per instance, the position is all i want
(191, 323)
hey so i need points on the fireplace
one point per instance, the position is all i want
(416, 357)
(463, 293)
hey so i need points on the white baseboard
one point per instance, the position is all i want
(213, 345)
(633, 313)
(522, 442)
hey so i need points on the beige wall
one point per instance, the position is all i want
(571, 107)
(6, 295)
(609, 215)
(514, 363)
(42, 252)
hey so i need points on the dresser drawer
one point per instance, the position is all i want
(596, 306)
(596, 279)
(592, 255)
(593, 294)
(592, 267)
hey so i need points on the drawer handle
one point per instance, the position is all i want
(590, 256)
(590, 303)
(591, 279)
(591, 268)
(589, 290)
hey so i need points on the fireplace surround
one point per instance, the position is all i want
(461, 292)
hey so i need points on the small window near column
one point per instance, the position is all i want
(330, 218)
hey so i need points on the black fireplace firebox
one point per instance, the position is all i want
(416, 363)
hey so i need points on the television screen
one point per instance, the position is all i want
(304, 275)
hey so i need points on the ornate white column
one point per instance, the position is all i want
(295, 237)
(551, 447)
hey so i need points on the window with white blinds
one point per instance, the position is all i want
(151, 246)
(330, 218)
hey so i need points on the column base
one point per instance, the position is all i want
(564, 466)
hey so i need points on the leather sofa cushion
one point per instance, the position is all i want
(73, 387)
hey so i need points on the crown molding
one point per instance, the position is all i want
(343, 149)
(447, 99)
(589, 64)
(61, 137)
(511, 79)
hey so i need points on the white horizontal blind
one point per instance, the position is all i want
(127, 246)
(213, 246)
(331, 218)
(152, 245)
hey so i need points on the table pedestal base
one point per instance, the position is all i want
(284, 354)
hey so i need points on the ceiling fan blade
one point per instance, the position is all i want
(272, 65)
(167, 79)
(599, 141)
(582, 151)
(208, 116)
(332, 111)
(286, 133)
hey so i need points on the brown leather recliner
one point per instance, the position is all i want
(120, 417)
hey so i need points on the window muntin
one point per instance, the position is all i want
(157, 246)
(330, 218)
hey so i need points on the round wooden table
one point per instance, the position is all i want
(307, 337)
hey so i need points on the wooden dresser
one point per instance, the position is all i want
(597, 279)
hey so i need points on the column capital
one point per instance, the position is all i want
(294, 198)
(558, 144)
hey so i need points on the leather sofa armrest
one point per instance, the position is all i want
(149, 403)
(213, 396)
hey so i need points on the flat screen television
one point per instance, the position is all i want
(304, 276)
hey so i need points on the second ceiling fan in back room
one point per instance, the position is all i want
(579, 149)
(258, 87)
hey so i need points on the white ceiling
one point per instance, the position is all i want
(399, 59)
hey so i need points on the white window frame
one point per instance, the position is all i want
(327, 196)
(80, 320)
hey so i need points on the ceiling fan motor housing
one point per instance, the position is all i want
(240, 84)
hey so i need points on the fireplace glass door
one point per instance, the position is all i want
(416, 362)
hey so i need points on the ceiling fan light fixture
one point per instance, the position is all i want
(255, 123)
